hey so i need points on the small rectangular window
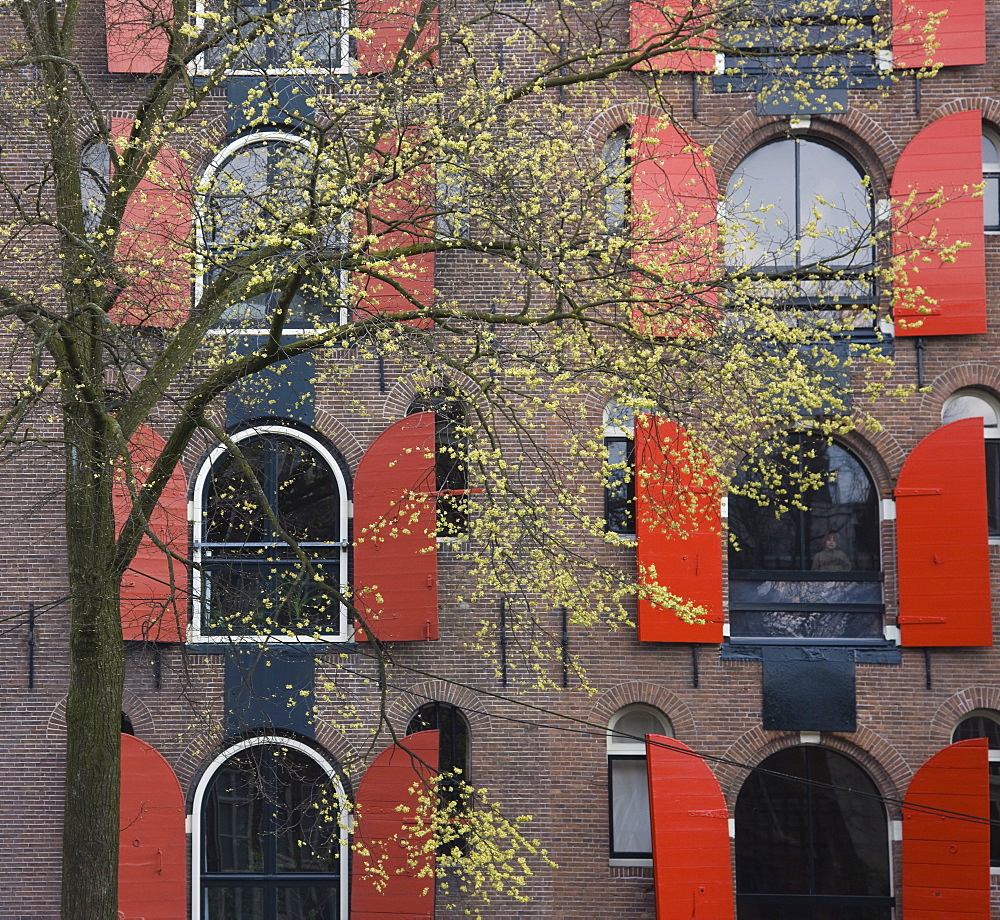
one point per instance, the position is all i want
(619, 488)
(628, 793)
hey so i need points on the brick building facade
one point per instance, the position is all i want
(849, 646)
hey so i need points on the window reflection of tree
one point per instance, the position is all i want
(271, 823)
(805, 536)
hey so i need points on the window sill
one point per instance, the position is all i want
(308, 646)
(636, 863)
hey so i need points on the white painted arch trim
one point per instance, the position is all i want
(204, 191)
(197, 506)
(194, 819)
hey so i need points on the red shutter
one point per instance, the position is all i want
(138, 34)
(946, 851)
(155, 587)
(384, 25)
(675, 228)
(942, 539)
(940, 297)
(957, 38)
(652, 22)
(395, 548)
(692, 862)
(399, 213)
(388, 797)
(678, 531)
(152, 854)
(154, 245)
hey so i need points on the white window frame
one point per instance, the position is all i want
(628, 746)
(194, 818)
(347, 64)
(205, 186)
(202, 479)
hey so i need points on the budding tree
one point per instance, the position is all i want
(419, 187)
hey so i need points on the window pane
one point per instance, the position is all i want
(307, 904)
(834, 209)
(233, 816)
(969, 405)
(234, 513)
(636, 724)
(991, 201)
(761, 228)
(993, 487)
(306, 493)
(232, 903)
(267, 596)
(619, 491)
(979, 727)
(630, 833)
(306, 816)
(95, 175)
(614, 181)
(990, 154)
(830, 526)
(451, 464)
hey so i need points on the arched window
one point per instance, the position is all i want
(991, 180)
(985, 723)
(615, 182)
(812, 840)
(263, 187)
(628, 784)
(979, 404)
(269, 839)
(453, 755)
(799, 210)
(619, 477)
(804, 556)
(451, 438)
(249, 580)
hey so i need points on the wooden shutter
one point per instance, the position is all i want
(946, 836)
(385, 25)
(940, 296)
(679, 22)
(678, 532)
(152, 854)
(388, 797)
(675, 228)
(138, 34)
(154, 245)
(957, 38)
(692, 862)
(155, 588)
(942, 539)
(395, 549)
(400, 213)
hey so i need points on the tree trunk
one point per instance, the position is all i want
(96, 676)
